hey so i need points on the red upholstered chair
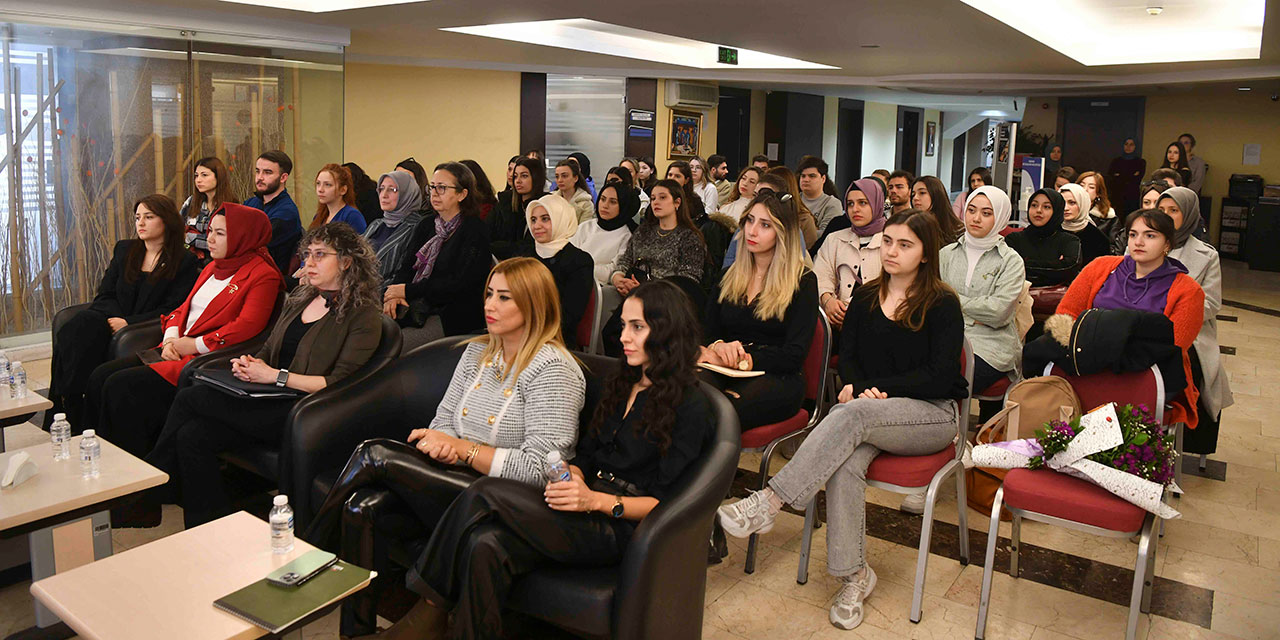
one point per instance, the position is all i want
(1058, 499)
(767, 438)
(588, 330)
(910, 474)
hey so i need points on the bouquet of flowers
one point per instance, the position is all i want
(1123, 451)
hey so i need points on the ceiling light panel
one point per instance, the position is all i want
(580, 34)
(321, 6)
(1103, 32)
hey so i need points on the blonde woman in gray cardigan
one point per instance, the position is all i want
(988, 276)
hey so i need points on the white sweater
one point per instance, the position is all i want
(604, 246)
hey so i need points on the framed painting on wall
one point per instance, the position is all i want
(930, 138)
(686, 127)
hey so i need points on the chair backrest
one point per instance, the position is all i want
(585, 333)
(1135, 387)
(815, 364)
(963, 406)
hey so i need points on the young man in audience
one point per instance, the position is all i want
(814, 191)
(1167, 176)
(270, 174)
(1066, 175)
(718, 174)
(760, 161)
(1197, 164)
(899, 191)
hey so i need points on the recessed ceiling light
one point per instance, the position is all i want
(321, 6)
(870, 46)
(581, 34)
(1244, 88)
(1155, 11)
(1102, 32)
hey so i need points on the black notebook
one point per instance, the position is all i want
(275, 608)
(226, 382)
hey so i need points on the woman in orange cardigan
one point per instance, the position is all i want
(1146, 280)
(231, 302)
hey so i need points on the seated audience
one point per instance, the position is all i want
(647, 175)
(1147, 279)
(366, 193)
(900, 359)
(850, 257)
(1065, 175)
(718, 166)
(329, 327)
(515, 396)
(817, 193)
(1149, 193)
(808, 224)
(572, 186)
(213, 189)
(980, 176)
(1101, 213)
(1175, 158)
(702, 184)
(606, 235)
(506, 224)
(336, 198)
(148, 276)
(505, 194)
(899, 191)
(127, 399)
(929, 194)
(987, 276)
(584, 166)
(763, 317)
(436, 292)
(389, 235)
(552, 223)
(484, 189)
(773, 183)
(717, 230)
(761, 162)
(270, 174)
(744, 190)
(1168, 176)
(1077, 221)
(420, 178)
(652, 425)
(1050, 255)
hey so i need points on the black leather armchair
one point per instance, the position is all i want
(220, 357)
(282, 463)
(657, 591)
(127, 341)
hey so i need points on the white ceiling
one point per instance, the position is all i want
(932, 53)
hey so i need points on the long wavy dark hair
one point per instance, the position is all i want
(361, 283)
(928, 286)
(672, 351)
(175, 228)
(940, 207)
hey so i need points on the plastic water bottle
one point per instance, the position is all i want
(60, 434)
(4, 367)
(90, 451)
(557, 470)
(18, 381)
(281, 519)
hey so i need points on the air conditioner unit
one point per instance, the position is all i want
(692, 95)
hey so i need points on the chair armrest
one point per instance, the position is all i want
(136, 337)
(62, 316)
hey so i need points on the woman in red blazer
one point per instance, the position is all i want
(1146, 279)
(230, 303)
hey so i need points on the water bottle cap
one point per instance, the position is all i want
(88, 433)
(59, 416)
(280, 500)
(554, 457)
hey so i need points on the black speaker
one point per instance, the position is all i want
(1262, 243)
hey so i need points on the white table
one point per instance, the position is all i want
(165, 589)
(10, 407)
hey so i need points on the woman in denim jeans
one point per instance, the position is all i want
(900, 357)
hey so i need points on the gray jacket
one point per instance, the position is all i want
(1203, 266)
(990, 305)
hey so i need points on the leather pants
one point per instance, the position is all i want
(388, 489)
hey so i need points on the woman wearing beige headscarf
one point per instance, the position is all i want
(552, 223)
(1076, 220)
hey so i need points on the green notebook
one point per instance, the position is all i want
(274, 608)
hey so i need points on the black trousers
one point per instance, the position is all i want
(202, 423)
(80, 346)
(760, 400)
(985, 375)
(127, 403)
(387, 491)
(493, 533)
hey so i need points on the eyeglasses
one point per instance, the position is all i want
(442, 189)
(315, 256)
(388, 190)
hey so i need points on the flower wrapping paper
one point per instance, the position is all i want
(1100, 432)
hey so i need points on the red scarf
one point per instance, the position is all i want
(248, 233)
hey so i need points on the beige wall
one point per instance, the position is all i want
(433, 114)
(706, 138)
(879, 136)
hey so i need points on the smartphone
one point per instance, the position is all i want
(302, 569)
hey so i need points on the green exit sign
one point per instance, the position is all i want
(728, 55)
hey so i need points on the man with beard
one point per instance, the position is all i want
(718, 172)
(899, 186)
(270, 173)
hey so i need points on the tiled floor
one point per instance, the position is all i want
(1227, 542)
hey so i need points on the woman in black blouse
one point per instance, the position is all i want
(437, 290)
(148, 276)
(506, 223)
(764, 316)
(900, 359)
(651, 425)
(552, 222)
(1051, 255)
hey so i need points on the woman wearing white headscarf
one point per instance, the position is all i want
(552, 223)
(1077, 221)
(988, 277)
(1201, 260)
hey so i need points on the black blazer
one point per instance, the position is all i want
(574, 272)
(455, 287)
(140, 300)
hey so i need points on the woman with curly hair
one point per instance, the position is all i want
(329, 327)
(652, 423)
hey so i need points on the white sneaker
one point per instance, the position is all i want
(752, 514)
(846, 611)
(913, 503)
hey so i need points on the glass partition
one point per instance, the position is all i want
(586, 114)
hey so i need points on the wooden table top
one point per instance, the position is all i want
(59, 488)
(10, 407)
(165, 589)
